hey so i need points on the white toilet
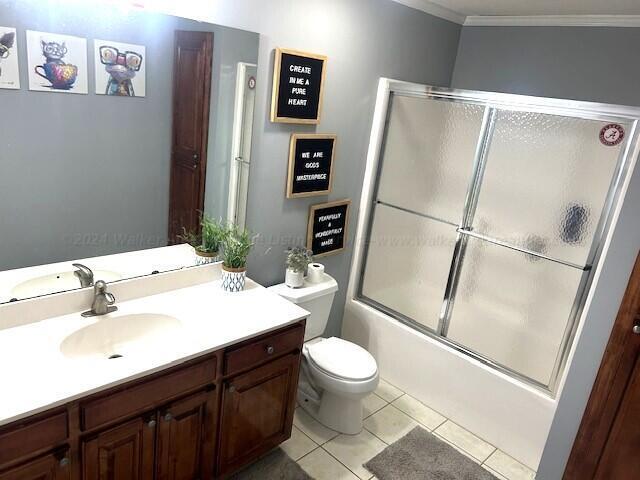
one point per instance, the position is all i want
(336, 375)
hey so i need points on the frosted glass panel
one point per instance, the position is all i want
(428, 155)
(545, 183)
(513, 308)
(407, 264)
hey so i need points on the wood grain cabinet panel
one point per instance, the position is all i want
(125, 452)
(186, 438)
(257, 412)
(49, 467)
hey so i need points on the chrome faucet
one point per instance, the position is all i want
(84, 274)
(102, 301)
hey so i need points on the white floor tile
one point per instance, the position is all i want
(390, 424)
(509, 467)
(371, 404)
(322, 466)
(465, 440)
(298, 445)
(312, 428)
(355, 450)
(418, 411)
(387, 391)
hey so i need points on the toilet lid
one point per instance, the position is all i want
(343, 359)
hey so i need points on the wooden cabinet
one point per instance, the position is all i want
(257, 412)
(201, 420)
(122, 452)
(186, 438)
(49, 467)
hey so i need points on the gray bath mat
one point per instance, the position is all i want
(419, 455)
(275, 466)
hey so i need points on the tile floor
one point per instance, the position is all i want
(389, 414)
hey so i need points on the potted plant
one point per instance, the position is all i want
(206, 244)
(298, 258)
(236, 246)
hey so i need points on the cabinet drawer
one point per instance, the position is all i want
(24, 439)
(145, 395)
(263, 349)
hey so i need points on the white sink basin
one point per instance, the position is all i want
(57, 282)
(123, 335)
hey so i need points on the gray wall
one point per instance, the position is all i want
(578, 63)
(594, 64)
(88, 175)
(364, 40)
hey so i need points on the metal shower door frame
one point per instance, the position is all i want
(492, 102)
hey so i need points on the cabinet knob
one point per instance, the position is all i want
(151, 423)
(636, 329)
(270, 349)
(64, 461)
(168, 417)
(232, 389)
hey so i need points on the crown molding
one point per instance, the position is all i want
(553, 21)
(434, 9)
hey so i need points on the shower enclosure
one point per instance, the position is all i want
(486, 217)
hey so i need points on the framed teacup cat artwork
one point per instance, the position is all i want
(57, 63)
(120, 69)
(9, 73)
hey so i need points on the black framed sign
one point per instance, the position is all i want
(311, 159)
(327, 228)
(298, 85)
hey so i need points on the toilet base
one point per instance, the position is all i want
(339, 413)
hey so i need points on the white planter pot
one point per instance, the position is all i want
(294, 279)
(204, 258)
(233, 279)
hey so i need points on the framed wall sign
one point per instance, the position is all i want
(327, 228)
(298, 85)
(310, 165)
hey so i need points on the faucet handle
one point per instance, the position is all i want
(101, 289)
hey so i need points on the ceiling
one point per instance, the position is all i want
(533, 12)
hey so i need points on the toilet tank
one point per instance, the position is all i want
(316, 298)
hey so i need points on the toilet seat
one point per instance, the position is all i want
(342, 360)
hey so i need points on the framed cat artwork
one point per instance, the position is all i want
(120, 69)
(57, 63)
(9, 70)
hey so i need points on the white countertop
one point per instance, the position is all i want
(36, 376)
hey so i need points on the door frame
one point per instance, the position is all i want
(206, 102)
(608, 389)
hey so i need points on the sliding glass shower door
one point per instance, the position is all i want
(486, 224)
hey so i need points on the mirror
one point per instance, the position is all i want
(120, 126)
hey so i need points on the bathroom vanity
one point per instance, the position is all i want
(214, 394)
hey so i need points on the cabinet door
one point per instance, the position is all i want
(124, 452)
(186, 438)
(49, 467)
(257, 412)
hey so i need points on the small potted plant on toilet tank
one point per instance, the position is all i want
(236, 246)
(298, 258)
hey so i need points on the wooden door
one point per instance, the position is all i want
(191, 102)
(257, 412)
(49, 467)
(186, 438)
(607, 446)
(125, 452)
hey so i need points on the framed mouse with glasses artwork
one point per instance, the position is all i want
(120, 69)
